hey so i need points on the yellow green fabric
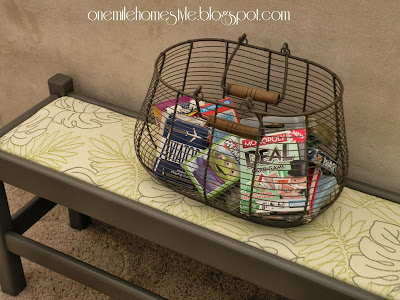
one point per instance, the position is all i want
(357, 240)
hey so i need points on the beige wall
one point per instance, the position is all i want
(359, 40)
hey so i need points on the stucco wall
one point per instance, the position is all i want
(113, 61)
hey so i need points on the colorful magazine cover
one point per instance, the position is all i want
(314, 175)
(280, 178)
(186, 139)
(323, 192)
(185, 106)
(321, 159)
(221, 171)
(223, 112)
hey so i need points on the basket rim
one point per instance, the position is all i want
(335, 77)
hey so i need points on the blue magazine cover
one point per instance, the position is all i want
(187, 138)
(223, 112)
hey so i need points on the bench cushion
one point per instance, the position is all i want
(357, 240)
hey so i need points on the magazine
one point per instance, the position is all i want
(323, 192)
(314, 175)
(186, 139)
(223, 112)
(321, 159)
(160, 108)
(184, 106)
(213, 171)
(280, 177)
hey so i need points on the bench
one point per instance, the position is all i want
(78, 152)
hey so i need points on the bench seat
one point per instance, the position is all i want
(356, 241)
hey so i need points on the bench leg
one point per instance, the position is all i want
(12, 278)
(78, 220)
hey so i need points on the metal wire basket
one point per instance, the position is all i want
(254, 132)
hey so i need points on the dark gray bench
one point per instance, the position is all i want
(86, 201)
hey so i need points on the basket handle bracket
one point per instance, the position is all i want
(256, 94)
(198, 96)
(286, 51)
(241, 41)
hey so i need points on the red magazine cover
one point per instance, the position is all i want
(314, 175)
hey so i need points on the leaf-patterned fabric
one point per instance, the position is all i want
(357, 240)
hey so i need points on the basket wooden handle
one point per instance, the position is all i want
(254, 93)
(233, 127)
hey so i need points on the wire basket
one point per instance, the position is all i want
(254, 132)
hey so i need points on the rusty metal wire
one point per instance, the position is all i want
(309, 98)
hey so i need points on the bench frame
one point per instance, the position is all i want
(52, 187)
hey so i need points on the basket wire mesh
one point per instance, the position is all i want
(254, 132)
